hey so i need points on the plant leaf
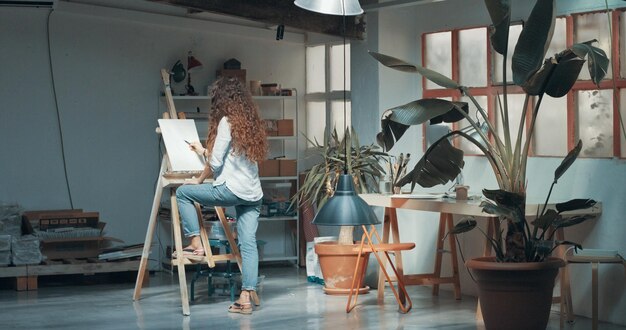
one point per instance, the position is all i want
(567, 222)
(545, 221)
(567, 161)
(575, 204)
(441, 163)
(499, 210)
(452, 116)
(598, 61)
(463, 226)
(533, 41)
(419, 111)
(564, 76)
(500, 13)
(403, 66)
(397, 120)
(504, 197)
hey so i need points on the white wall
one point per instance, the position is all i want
(399, 33)
(106, 66)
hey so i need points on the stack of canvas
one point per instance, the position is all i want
(25, 250)
(5, 250)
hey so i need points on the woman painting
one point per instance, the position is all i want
(236, 142)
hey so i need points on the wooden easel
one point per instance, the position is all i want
(170, 180)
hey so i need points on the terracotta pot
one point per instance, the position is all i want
(337, 263)
(515, 295)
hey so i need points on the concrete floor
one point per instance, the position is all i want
(288, 302)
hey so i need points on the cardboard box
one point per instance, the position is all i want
(271, 127)
(285, 127)
(241, 74)
(59, 220)
(269, 167)
(68, 248)
(287, 167)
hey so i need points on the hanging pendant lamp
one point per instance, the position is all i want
(345, 207)
(329, 7)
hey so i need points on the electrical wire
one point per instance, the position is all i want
(56, 106)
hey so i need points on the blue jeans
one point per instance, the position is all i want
(247, 222)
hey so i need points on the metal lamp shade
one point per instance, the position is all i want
(330, 7)
(345, 208)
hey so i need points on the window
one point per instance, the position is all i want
(590, 113)
(325, 90)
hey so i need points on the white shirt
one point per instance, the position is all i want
(240, 174)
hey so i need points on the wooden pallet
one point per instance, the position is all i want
(26, 276)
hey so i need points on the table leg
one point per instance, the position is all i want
(454, 259)
(439, 252)
(393, 217)
(180, 259)
(381, 276)
(490, 234)
(594, 295)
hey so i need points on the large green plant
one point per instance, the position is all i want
(363, 164)
(555, 76)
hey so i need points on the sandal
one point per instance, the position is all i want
(186, 252)
(255, 298)
(241, 308)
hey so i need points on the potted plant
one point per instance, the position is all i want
(338, 259)
(522, 245)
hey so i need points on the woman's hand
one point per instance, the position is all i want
(197, 148)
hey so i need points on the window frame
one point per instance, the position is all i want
(328, 96)
(493, 88)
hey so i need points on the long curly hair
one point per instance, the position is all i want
(230, 98)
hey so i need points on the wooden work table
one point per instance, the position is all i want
(446, 207)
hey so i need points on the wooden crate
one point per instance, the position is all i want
(26, 276)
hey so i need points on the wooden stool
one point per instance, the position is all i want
(566, 295)
(366, 247)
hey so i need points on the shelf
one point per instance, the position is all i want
(281, 137)
(190, 97)
(258, 97)
(281, 218)
(255, 97)
(275, 178)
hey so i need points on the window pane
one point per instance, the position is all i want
(336, 116)
(514, 32)
(473, 57)
(622, 111)
(550, 137)
(592, 26)
(315, 69)
(438, 55)
(315, 122)
(435, 132)
(595, 122)
(337, 69)
(558, 42)
(515, 107)
(468, 147)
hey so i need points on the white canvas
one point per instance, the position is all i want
(175, 132)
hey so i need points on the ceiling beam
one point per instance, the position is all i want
(276, 12)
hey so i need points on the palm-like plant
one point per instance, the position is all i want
(363, 164)
(555, 76)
